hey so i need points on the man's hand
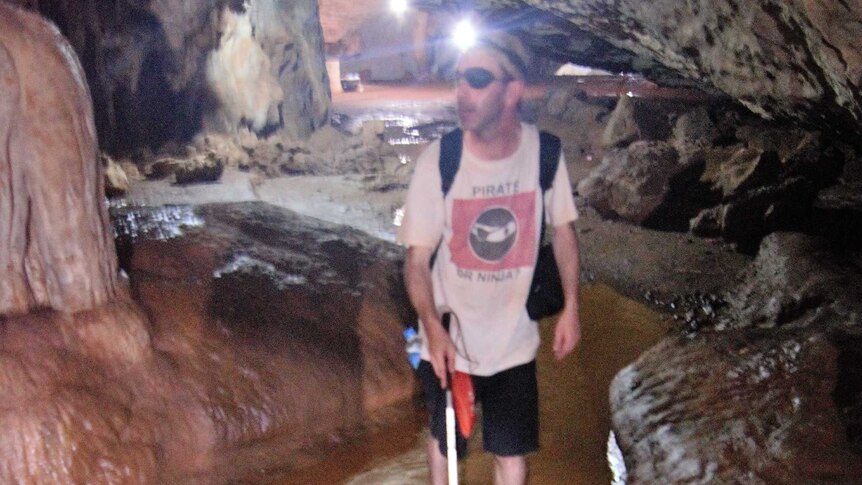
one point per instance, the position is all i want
(567, 333)
(442, 352)
(417, 277)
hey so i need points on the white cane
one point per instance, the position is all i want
(451, 452)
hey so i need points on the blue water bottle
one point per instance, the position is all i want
(413, 346)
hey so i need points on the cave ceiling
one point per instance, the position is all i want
(797, 61)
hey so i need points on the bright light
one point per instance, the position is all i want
(464, 35)
(399, 7)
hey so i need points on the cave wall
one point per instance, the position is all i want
(156, 75)
(291, 35)
(794, 60)
(780, 59)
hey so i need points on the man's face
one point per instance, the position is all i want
(480, 108)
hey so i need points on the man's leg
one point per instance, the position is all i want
(435, 403)
(510, 470)
(438, 471)
(510, 420)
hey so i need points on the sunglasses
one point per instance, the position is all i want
(478, 78)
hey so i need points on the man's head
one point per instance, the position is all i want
(490, 81)
(509, 52)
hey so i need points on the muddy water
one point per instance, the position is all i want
(574, 412)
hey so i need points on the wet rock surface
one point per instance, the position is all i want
(255, 337)
(798, 281)
(780, 400)
(745, 406)
(286, 330)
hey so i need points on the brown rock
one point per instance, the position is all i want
(116, 180)
(57, 251)
(708, 223)
(632, 183)
(796, 280)
(300, 320)
(200, 169)
(621, 129)
(746, 169)
(693, 133)
(735, 406)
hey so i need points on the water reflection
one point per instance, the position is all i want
(398, 129)
(244, 263)
(163, 222)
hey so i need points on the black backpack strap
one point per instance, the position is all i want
(549, 158)
(450, 158)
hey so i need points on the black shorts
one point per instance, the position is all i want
(510, 410)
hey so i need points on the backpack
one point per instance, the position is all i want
(546, 290)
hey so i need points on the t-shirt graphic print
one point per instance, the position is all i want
(492, 234)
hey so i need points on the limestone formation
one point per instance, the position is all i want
(740, 407)
(165, 72)
(286, 329)
(241, 76)
(634, 183)
(56, 248)
(771, 394)
(219, 357)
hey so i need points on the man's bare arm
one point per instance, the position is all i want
(417, 278)
(567, 333)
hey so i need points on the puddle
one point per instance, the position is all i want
(575, 415)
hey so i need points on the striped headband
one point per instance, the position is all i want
(511, 55)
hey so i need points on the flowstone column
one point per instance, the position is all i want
(55, 246)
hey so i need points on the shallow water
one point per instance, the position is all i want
(575, 416)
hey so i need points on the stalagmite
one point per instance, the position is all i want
(55, 246)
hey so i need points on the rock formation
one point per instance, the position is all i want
(771, 394)
(163, 72)
(707, 166)
(283, 332)
(234, 350)
(796, 60)
(57, 253)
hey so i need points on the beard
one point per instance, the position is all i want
(466, 114)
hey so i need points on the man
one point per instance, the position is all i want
(486, 233)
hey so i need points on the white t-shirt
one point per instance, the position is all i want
(489, 225)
